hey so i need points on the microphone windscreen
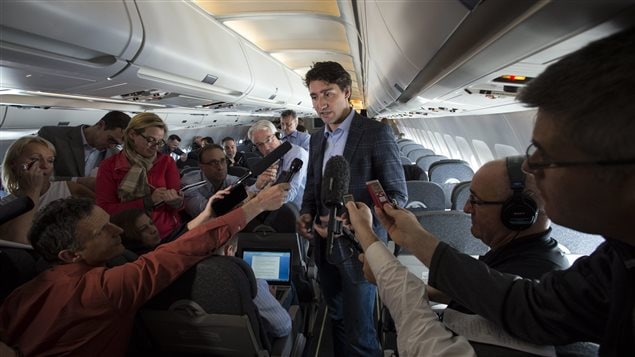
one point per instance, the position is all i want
(335, 181)
(272, 157)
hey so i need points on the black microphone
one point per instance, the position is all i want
(296, 165)
(265, 162)
(334, 185)
(14, 208)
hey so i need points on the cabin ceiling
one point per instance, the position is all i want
(296, 33)
(246, 59)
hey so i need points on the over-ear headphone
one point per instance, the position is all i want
(520, 211)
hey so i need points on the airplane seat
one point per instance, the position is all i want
(577, 243)
(448, 173)
(303, 269)
(424, 162)
(405, 149)
(281, 220)
(414, 173)
(188, 169)
(405, 160)
(424, 196)
(453, 228)
(17, 266)
(460, 195)
(578, 349)
(417, 153)
(403, 140)
(209, 310)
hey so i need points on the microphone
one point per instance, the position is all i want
(14, 208)
(296, 165)
(237, 191)
(334, 185)
(265, 162)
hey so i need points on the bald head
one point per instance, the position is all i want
(491, 184)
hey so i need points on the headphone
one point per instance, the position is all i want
(520, 211)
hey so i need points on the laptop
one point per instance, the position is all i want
(273, 265)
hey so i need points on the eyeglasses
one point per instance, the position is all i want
(533, 164)
(152, 141)
(266, 142)
(215, 162)
(475, 201)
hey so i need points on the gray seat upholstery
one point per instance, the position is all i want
(453, 228)
(417, 153)
(424, 162)
(414, 173)
(448, 173)
(460, 195)
(209, 310)
(424, 196)
(575, 242)
(405, 160)
(409, 147)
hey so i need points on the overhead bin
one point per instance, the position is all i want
(270, 83)
(183, 43)
(57, 45)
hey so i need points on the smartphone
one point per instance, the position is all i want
(377, 193)
(231, 200)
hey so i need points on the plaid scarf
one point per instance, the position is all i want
(135, 184)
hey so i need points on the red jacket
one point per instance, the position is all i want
(162, 174)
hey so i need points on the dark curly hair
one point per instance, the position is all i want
(330, 72)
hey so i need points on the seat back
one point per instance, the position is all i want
(424, 196)
(186, 329)
(453, 228)
(414, 173)
(424, 162)
(417, 153)
(448, 173)
(577, 243)
(219, 285)
(460, 195)
(281, 220)
(405, 160)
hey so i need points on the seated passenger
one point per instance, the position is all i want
(263, 135)
(140, 177)
(26, 171)
(82, 148)
(276, 319)
(289, 126)
(234, 157)
(213, 169)
(508, 216)
(140, 235)
(79, 306)
(172, 148)
(581, 157)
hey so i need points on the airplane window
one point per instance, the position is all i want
(444, 148)
(454, 150)
(482, 151)
(467, 153)
(503, 150)
(433, 141)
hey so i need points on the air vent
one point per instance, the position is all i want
(209, 79)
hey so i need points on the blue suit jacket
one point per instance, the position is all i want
(372, 154)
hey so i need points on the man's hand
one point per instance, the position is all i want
(362, 222)
(267, 177)
(403, 227)
(272, 197)
(303, 225)
(368, 273)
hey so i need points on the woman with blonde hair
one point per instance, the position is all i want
(26, 171)
(141, 177)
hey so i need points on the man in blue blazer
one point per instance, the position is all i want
(370, 149)
(80, 149)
